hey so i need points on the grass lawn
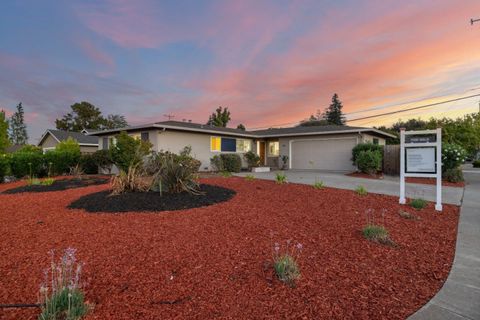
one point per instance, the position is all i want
(216, 261)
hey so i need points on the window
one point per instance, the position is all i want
(105, 143)
(145, 136)
(244, 145)
(229, 145)
(375, 141)
(273, 148)
(215, 144)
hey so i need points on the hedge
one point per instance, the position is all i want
(365, 147)
(369, 161)
(27, 164)
(60, 162)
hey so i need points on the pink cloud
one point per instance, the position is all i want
(96, 54)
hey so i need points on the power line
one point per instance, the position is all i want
(415, 108)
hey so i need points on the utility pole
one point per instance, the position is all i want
(472, 21)
(169, 116)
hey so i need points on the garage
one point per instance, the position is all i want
(330, 154)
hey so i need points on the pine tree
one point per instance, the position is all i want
(18, 128)
(333, 114)
(219, 118)
(4, 141)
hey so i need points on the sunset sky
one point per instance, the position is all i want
(270, 62)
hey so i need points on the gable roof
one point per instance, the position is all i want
(61, 135)
(274, 132)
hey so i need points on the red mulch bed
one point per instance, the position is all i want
(434, 181)
(216, 260)
(364, 175)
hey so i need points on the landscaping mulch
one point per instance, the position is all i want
(104, 201)
(433, 181)
(214, 262)
(59, 185)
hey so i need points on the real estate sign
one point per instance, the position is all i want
(421, 156)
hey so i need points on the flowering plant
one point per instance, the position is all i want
(453, 156)
(285, 261)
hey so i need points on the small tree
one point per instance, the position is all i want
(219, 118)
(128, 151)
(333, 114)
(18, 128)
(4, 141)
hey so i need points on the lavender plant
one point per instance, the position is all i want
(376, 231)
(60, 295)
(285, 262)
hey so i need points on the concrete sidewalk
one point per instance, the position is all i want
(389, 185)
(459, 297)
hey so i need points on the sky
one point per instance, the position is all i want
(271, 62)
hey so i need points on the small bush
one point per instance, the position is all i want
(130, 181)
(60, 294)
(34, 182)
(407, 215)
(476, 164)
(88, 163)
(226, 174)
(453, 175)
(375, 233)
(361, 190)
(47, 181)
(102, 160)
(253, 159)
(280, 178)
(4, 166)
(318, 184)
(231, 162)
(453, 155)
(128, 151)
(418, 203)
(369, 161)
(249, 177)
(366, 147)
(285, 262)
(216, 163)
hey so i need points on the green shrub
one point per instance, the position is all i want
(476, 164)
(47, 181)
(62, 160)
(185, 157)
(361, 190)
(102, 160)
(453, 175)
(369, 161)
(226, 174)
(253, 160)
(280, 178)
(128, 151)
(216, 163)
(453, 155)
(4, 166)
(285, 263)
(88, 164)
(318, 184)
(250, 177)
(70, 145)
(418, 203)
(27, 164)
(366, 147)
(231, 162)
(376, 233)
(28, 148)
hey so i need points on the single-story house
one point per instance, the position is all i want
(51, 137)
(317, 147)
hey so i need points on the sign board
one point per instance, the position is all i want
(420, 160)
(421, 156)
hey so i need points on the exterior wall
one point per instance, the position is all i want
(49, 142)
(369, 138)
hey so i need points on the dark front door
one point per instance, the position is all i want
(261, 152)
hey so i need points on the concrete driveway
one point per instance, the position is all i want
(388, 185)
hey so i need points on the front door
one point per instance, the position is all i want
(261, 152)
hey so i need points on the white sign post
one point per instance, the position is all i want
(421, 157)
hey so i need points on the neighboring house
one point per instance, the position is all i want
(50, 139)
(319, 148)
(13, 148)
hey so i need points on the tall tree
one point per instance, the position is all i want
(85, 115)
(219, 118)
(4, 141)
(115, 121)
(333, 114)
(241, 127)
(18, 128)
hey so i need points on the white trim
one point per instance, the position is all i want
(327, 133)
(290, 155)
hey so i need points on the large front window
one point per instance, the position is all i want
(273, 148)
(221, 144)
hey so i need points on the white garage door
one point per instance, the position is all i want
(323, 154)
